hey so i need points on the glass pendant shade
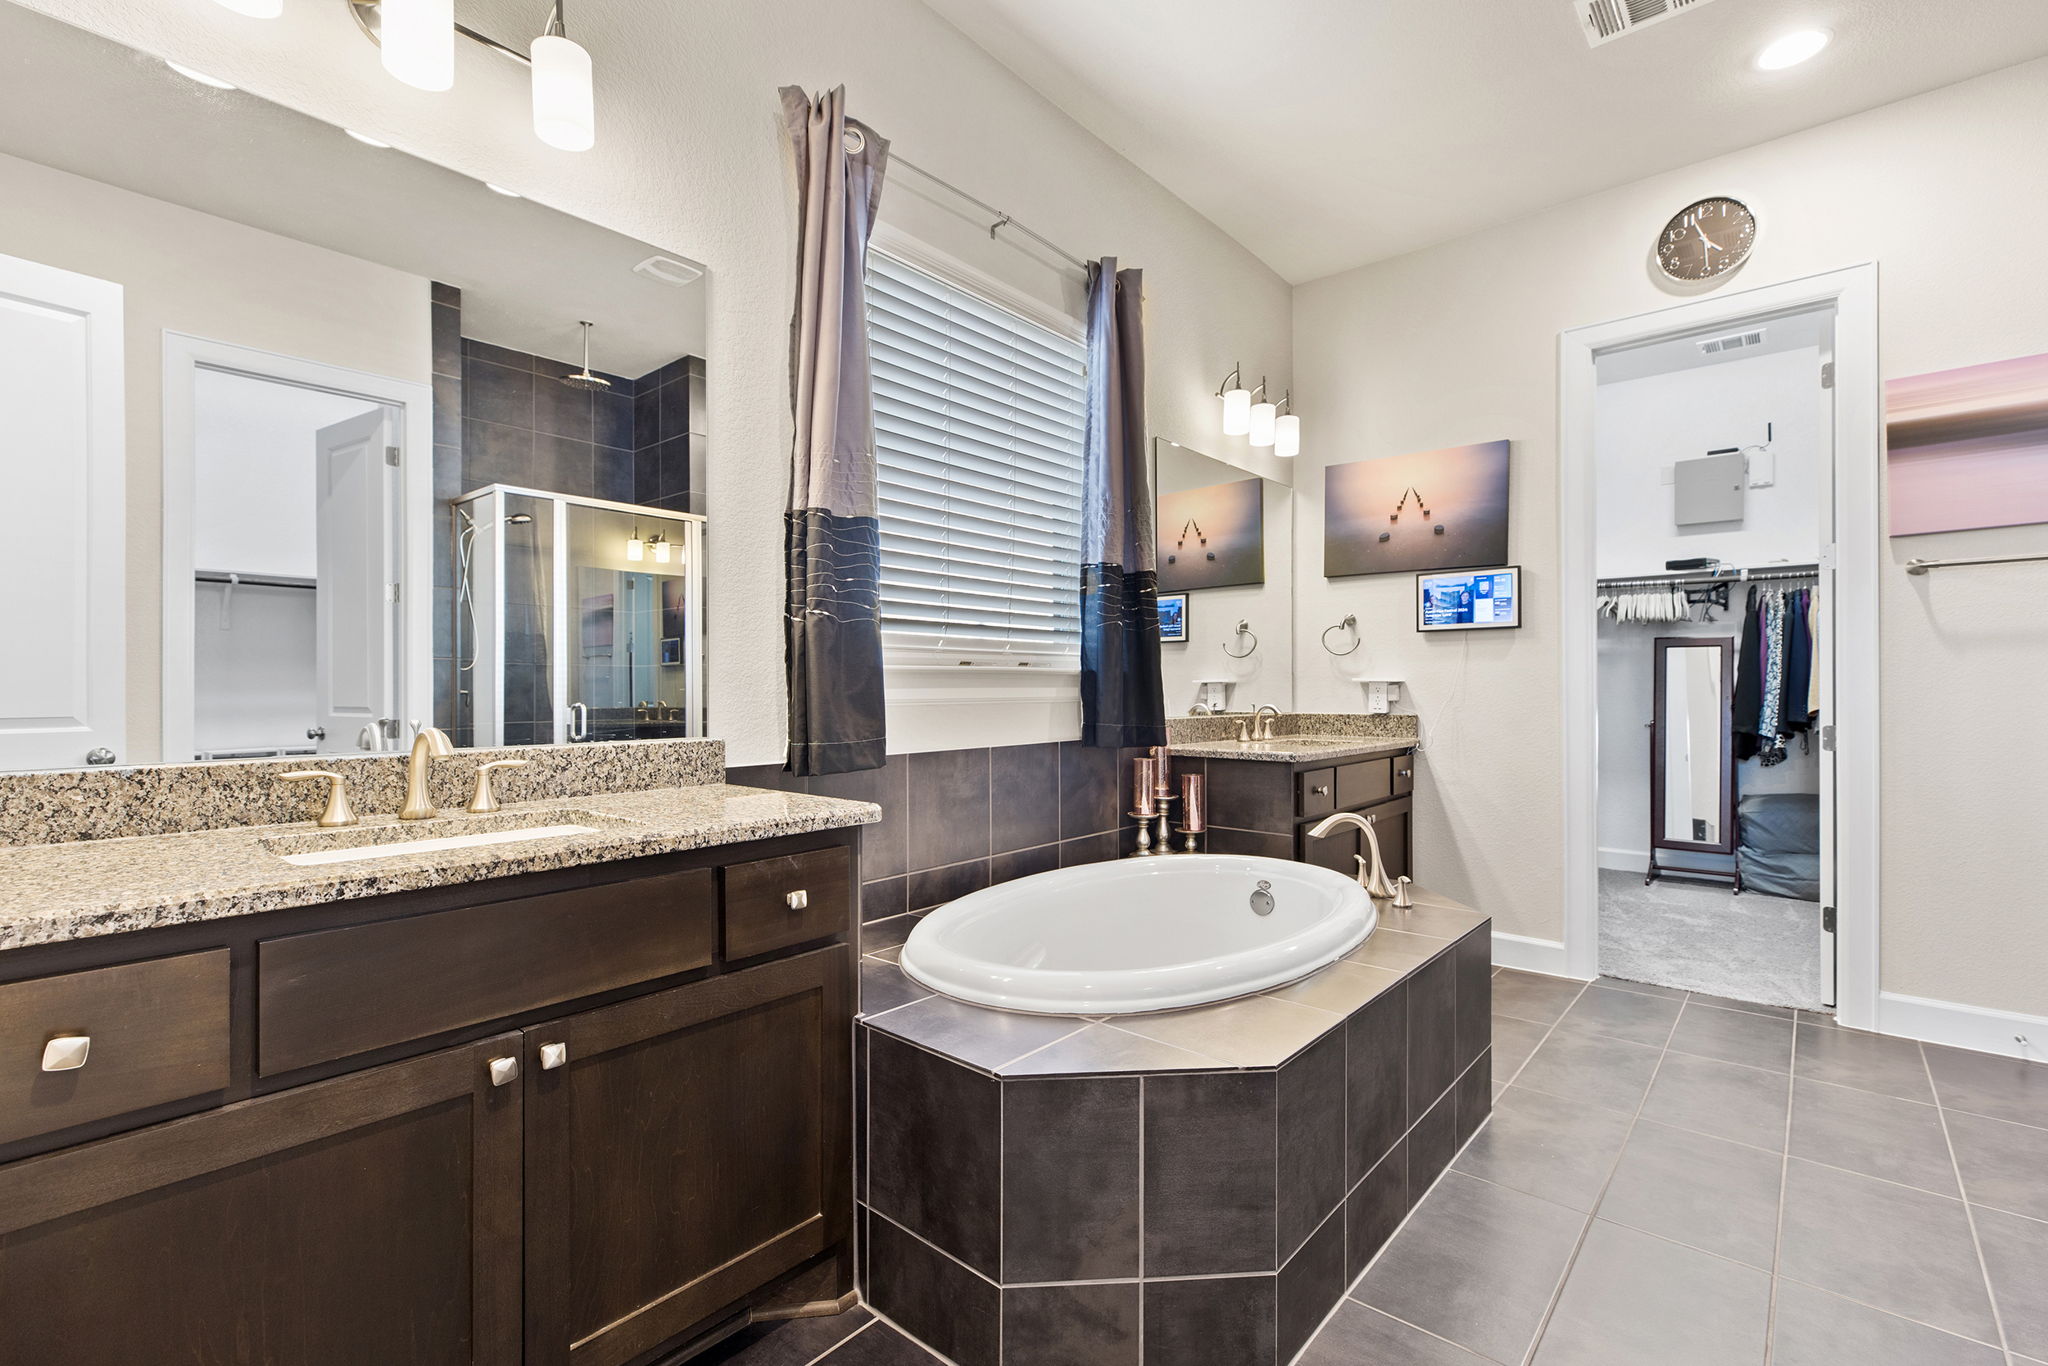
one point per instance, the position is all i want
(1287, 436)
(1262, 420)
(564, 103)
(418, 38)
(254, 9)
(636, 549)
(1237, 412)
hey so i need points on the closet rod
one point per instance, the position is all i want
(252, 580)
(1708, 580)
(1922, 566)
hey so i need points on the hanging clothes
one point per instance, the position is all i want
(1770, 733)
(1813, 670)
(1795, 716)
(1749, 681)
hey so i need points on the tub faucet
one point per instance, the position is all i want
(1264, 718)
(1373, 876)
(431, 743)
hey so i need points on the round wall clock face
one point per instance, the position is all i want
(1707, 240)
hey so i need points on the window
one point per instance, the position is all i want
(978, 430)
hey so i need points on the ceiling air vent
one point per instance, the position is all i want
(1606, 20)
(1735, 341)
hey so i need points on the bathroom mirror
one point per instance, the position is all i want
(1226, 570)
(312, 441)
(1692, 777)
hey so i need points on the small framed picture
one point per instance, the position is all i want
(671, 649)
(1173, 618)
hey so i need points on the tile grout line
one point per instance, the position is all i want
(820, 1357)
(1784, 1181)
(1969, 1215)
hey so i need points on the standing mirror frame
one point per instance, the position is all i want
(1692, 724)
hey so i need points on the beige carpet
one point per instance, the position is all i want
(1702, 937)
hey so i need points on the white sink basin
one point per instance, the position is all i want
(428, 837)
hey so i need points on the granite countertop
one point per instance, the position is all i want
(1298, 748)
(55, 892)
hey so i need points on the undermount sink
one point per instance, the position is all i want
(359, 843)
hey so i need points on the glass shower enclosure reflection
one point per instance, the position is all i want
(577, 619)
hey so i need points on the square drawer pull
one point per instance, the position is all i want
(797, 900)
(66, 1052)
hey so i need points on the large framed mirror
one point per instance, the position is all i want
(1692, 754)
(312, 442)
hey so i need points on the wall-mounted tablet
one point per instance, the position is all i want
(1469, 600)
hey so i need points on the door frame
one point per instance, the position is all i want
(1850, 570)
(184, 357)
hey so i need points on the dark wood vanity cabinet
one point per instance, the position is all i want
(480, 1175)
(1261, 807)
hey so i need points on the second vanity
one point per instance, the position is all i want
(581, 1098)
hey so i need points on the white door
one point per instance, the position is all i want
(1824, 668)
(355, 605)
(63, 607)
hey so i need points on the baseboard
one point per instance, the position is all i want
(1978, 1028)
(1625, 860)
(1537, 955)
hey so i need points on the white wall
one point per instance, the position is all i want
(253, 681)
(1443, 346)
(690, 156)
(1267, 674)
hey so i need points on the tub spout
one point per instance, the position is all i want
(1371, 875)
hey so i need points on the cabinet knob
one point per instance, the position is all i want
(66, 1052)
(1321, 791)
(504, 1070)
(553, 1055)
(797, 900)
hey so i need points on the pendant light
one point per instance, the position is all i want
(1237, 403)
(254, 9)
(1287, 430)
(419, 42)
(564, 100)
(1260, 427)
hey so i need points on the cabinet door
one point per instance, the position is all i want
(373, 1218)
(1391, 822)
(682, 1150)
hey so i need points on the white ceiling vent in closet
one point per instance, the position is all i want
(1606, 20)
(1734, 341)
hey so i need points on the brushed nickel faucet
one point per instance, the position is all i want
(430, 743)
(1263, 718)
(1372, 877)
(338, 812)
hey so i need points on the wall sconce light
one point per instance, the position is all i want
(1237, 403)
(636, 549)
(418, 39)
(1287, 430)
(660, 546)
(1262, 417)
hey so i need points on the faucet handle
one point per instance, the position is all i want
(484, 800)
(338, 811)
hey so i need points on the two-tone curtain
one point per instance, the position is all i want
(833, 627)
(1122, 702)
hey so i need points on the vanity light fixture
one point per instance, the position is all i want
(254, 9)
(564, 98)
(1262, 418)
(200, 76)
(1237, 403)
(418, 39)
(1793, 48)
(419, 42)
(1287, 430)
(660, 546)
(367, 140)
(636, 549)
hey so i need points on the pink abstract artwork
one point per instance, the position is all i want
(1969, 447)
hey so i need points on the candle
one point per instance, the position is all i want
(1162, 763)
(1193, 816)
(1143, 785)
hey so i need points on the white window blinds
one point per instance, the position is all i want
(978, 428)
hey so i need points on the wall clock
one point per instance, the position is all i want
(1706, 240)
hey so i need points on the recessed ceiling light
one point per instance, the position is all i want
(200, 76)
(500, 189)
(367, 140)
(1792, 49)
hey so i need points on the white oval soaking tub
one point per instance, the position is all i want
(1139, 934)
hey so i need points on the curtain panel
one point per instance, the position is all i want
(1122, 703)
(833, 629)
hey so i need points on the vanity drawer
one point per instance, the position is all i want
(156, 1032)
(1361, 783)
(1315, 792)
(1404, 774)
(777, 903)
(333, 994)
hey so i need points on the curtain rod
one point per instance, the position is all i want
(1690, 580)
(1003, 220)
(1922, 566)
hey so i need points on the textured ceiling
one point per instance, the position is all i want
(1325, 134)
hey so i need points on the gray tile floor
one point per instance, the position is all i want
(1683, 1180)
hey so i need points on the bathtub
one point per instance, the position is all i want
(1139, 934)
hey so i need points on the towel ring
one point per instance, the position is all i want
(1350, 623)
(1244, 628)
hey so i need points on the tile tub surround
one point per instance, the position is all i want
(1041, 1189)
(85, 888)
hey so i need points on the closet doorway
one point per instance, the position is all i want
(1715, 521)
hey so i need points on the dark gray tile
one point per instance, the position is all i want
(2016, 1256)
(1310, 1283)
(646, 476)
(1359, 1336)
(1705, 1192)
(949, 807)
(611, 473)
(1734, 1036)
(883, 986)
(1228, 1319)
(1226, 841)
(775, 778)
(984, 1038)
(497, 393)
(880, 1345)
(677, 461)
(1376, 1072)
(1814, 1328)
(566, 464)
(1896, 1140)
(1024, 796)
(448, 410)
(611, 420)
(559, 410)
(1591, 1068)
(1987, 1084)
(1432, 997)
(497, 355)
(1431, 1144)
(1070, 1179)
(1473, 1096)
(2004, 1165)
(786, 1342)
(936, 1299)
(1088, 790)
(646, 416)
(1532, 996)
(447, 340)
(937, 886)
(1474, 965)
(1373, 1210)
(1632, 1298)
(876, 935)
(1542, 1145)
(496, 454)
(1475, 1265)
(1891, 1247)
(1748, 1007)
(1311, 1139)
(1722, 1099)
(1641, 988)
(1626, 1015)
(880, 900)
(674, 399)
(1071, 1325)
(1088, 849)
(1104, 1048)
(1023, 863)
(935, 1165)
(882, 845)
(1868, 1062)
(1513, 1041)
(1209, 1174)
